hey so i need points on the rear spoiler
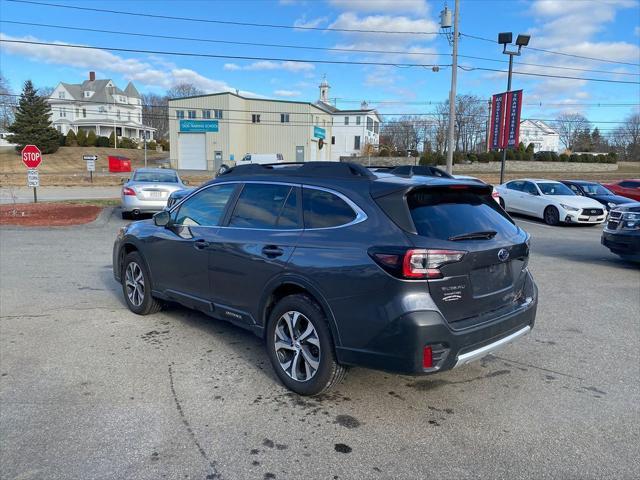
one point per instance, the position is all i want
(392, 200)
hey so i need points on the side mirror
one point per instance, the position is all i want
(162, 219)
(185, 182)
(123, 181)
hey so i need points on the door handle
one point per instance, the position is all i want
(201, 244)
(272, 251)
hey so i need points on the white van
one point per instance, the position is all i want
(261, 158)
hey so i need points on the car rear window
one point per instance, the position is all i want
(155, 177)
(324, 209)
(444, 213)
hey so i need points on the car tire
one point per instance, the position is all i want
(551, 215)
(136, 286)
(301, 348)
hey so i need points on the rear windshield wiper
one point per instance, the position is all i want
(485, 235)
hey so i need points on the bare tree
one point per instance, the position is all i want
(155, 113)
(569, 125)
(626, 138)
(45, 91)
(7, 103)
(184, 90)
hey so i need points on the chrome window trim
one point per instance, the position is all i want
(361, 216)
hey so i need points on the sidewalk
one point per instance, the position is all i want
(25, 194)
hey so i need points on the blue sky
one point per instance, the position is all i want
(603, 29)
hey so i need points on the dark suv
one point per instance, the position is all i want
(333, 265)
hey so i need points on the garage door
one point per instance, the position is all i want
(192, 151)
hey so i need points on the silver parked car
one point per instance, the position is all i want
(148, 190)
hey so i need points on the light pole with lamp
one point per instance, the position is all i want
(505, 38)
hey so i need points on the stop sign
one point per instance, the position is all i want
(31, 156)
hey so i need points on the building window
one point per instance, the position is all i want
(333, 140)
(218, 114)
(356, 142)
(206, 114)
(284, 118)
(358, 120)
(346, 120)
(376, 127)
(255, 118)
(87, 94)
(77, 112)
(191, 114)
(179, 113)
(63, 112)
(84, 113)
(369, 123)
(139, 118)
(61, 95)
(101, 109)
(118, 114)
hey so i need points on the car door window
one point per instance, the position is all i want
(205, 208)
(629, 184)
(324, 209)
(575, 189)
(266, 206)
(515, 186)
(530, 188)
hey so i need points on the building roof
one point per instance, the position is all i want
(542, 126)
(102, 93)
(131, 91)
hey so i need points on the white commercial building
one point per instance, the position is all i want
(206, 131)
(353, 130)
(98, 106)
(543, 137)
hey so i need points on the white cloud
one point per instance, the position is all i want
(375, 23)
(271, 65)
(311, 23)
(416, 7)
(144, 72)
(287, 93)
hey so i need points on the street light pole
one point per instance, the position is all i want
(505, 38)
(452, 92)
(504, 150)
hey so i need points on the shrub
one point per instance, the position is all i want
(164, 143)
(62, 140)
(102, 142)
(485, 157)
(472, 157)
(91, 139)
(384, 152)
(81, 138)
(71, 140)
(125, 142)
(510, 155)
(152, 145)
(496, 156)
(563, 157)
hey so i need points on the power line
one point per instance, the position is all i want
(548, 75)
(299, 47)
(222, 22)
(606, 60)
(210, 55)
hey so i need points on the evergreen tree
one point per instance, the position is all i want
(112, 139)
(71, 140)
(82, 138)
(91, 139)
(32, 125)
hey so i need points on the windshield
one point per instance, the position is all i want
(595, 189)
(156, 177)
(554, 189)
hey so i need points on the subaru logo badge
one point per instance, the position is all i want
(503, 255)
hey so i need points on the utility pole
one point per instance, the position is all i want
(445, 22)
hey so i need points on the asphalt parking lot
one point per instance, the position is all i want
(89, 390)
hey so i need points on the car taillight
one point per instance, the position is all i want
(427, 357)
(128, 191)
(495, 194)
(416, 263)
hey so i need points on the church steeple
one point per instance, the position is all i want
(324, 90)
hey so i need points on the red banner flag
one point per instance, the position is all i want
(496, 127)
(513, 109)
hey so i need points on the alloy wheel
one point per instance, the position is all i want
(134, 281)
(297, 346)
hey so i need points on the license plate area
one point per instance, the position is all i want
(593, 219)
(491, 279)
(154, 194)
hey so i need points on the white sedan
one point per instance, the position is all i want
(551, 201)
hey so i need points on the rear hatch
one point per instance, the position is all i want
(490, 276)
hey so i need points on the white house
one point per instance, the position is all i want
(98, 106)
(353, 130)
(543, 137)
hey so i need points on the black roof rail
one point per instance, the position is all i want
(306, 169)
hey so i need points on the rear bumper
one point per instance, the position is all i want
(399, 348)
(130, 203)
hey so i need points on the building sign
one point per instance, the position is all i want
(198, 126)
(319, 132)
(504, 129)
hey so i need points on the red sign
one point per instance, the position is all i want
(496, 127)
(512, 119)
(31, 156)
